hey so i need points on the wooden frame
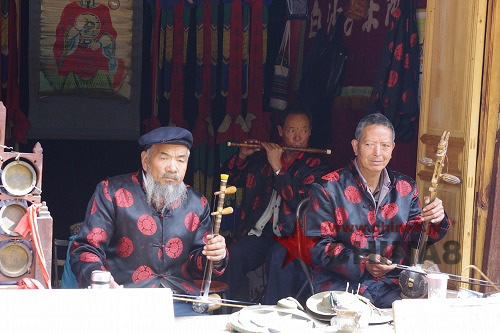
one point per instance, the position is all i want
(451, 96)
(486, 254)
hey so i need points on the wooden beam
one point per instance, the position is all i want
(491, 258)
(487, 194)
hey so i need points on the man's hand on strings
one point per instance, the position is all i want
(434, 211)
(215, 250)
(378, 265)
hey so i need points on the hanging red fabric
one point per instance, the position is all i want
(154, 122)
(295, 28)
(177, 90)
(205, 102)
(234, 93)
(259, 126)
(14, 113)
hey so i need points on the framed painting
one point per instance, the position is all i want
(85, 47)
(85, 68)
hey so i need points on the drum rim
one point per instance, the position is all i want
(2, 211)
(14, 192)
(13, 242)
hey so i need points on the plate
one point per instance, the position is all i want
(270, 318)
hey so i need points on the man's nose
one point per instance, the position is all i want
(377, 150)
(171, 166)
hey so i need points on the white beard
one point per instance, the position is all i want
(162, 196)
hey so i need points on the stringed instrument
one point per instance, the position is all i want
(412, 281)
(202, 306)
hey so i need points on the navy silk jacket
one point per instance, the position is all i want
(139, 246)
(256, 176)
(342, 215)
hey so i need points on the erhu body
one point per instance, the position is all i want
(412, 281)
(202, 307)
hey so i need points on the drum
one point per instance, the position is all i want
(15, 258)
(19, 177)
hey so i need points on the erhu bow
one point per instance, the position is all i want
(412, 281)
(202, 306)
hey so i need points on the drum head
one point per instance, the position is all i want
(10, 215)
(19, 178)
(15, 258)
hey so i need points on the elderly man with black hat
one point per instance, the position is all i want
(148, 228)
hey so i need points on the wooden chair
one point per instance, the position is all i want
(300, 221)
(60, 247)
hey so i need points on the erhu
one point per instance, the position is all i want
(202, 305)
(412, 281)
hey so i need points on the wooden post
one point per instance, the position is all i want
(487, 192)
(491, 258)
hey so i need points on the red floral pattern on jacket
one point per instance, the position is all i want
(257, 178)
(344, 216)
(141, 247)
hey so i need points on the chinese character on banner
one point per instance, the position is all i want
(331, 18)
(371, 21)
(391, 6)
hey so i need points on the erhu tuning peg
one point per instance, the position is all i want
(427, 161)
(229, 190)
(450, 179)
(225, 211)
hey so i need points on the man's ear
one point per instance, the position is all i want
(280, 130)
(354, 144)
(144, 159)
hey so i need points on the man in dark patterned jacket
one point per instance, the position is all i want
(367, 209)
(149, 228)
(274, 182)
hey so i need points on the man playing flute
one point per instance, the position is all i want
(274, 182)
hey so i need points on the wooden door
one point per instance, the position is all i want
(451, 95)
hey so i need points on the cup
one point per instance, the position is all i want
(100, 279)
(437, 285)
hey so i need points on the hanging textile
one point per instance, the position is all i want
(203, 129)
(245, 50)
(227, 130)
(395, 93)
(4, 46)
(178, 61)
(215, 44)
(156, 42)
(200, 24)
(226, 30)
(321, 78)
(17, 122)
(168, 20)
(260, 129)
(295, 30)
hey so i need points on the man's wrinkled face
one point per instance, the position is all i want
(296, 131)
(167, 163)
(374, 149)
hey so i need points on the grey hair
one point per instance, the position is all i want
(373, 119)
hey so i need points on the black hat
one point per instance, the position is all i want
(168, 135)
